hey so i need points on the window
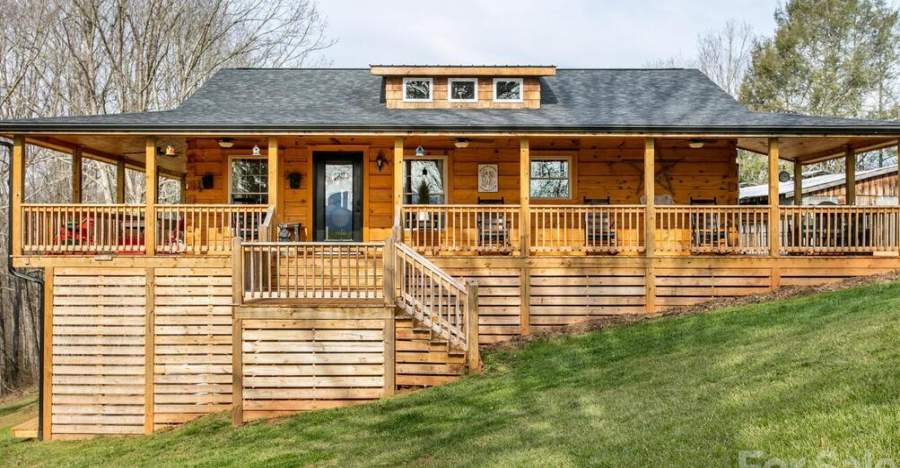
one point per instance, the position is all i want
(508, 89)
(249, 181)
(463, 89)
(417, 89)
(551, 178)
(424, 177)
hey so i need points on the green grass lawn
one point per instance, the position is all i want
(792, 379)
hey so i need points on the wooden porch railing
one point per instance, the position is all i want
(208, 228)
(321, 272)
(735, 230)
(462, 228)
(311, 270)
(432, 296)
(587, 228)
(839, 229)
(120, 229)
(84, 229)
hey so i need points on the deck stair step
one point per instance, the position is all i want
(26, 430)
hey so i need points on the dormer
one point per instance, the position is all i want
(462, 87)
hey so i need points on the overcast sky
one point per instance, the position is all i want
(566, 33)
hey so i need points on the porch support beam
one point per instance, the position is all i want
(398, 183)
(524, 194)
(850, 176)
(774, 209)
(152, 186)
(798, 183)
(525, 230)
(650, 221)
(274, 175)
(18, 192)
(77, 176)
(120, 182)
(650, 195)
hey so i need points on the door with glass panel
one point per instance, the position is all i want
(338, 196)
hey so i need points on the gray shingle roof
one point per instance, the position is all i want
(618, 100)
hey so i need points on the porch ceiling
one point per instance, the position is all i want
(112, 149)
(812, 150)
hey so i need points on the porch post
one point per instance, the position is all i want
(120, 182)
(77, 176)
(150, 202)
(274, 176)
(650, 221)
(798, 183)
(525, 233)
(650, 195)
(398, 184)
(18, 192)
(774, 209)
(525, 195)
(182, 194)
(850, 176)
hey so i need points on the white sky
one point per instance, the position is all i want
(566, 33)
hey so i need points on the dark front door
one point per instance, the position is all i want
(337, 196)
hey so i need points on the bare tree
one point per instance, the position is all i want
(79, 57)
(724, 54)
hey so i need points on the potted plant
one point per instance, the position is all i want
(423, 193)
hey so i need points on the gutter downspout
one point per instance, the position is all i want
(40, 282)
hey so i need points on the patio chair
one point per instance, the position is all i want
(599, 231)
(493, 228)
(706, 229)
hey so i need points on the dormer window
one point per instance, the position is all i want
(508, 90)
(417, 89)
(463, 89)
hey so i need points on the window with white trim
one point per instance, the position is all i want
(462, 89)
(417, 89)
(509, 89)
(425, 176)
(249, 180)
(551, 178)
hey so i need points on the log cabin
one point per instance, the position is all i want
(345, 234)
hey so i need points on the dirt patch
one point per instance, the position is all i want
(786, 292)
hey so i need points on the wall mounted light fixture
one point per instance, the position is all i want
(206, 181)
(379, 161)
(294, 179)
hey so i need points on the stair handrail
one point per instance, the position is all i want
(444, 304)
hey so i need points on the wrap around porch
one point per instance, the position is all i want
(517, 197)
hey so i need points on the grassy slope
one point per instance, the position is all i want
(790, 378)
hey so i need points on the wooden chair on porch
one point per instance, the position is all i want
(493, 228)
(706, 229)
(599, 231)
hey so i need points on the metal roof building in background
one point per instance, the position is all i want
(759, 194)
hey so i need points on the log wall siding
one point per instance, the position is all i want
(295, 205)
(530, 100)
(602, 168)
